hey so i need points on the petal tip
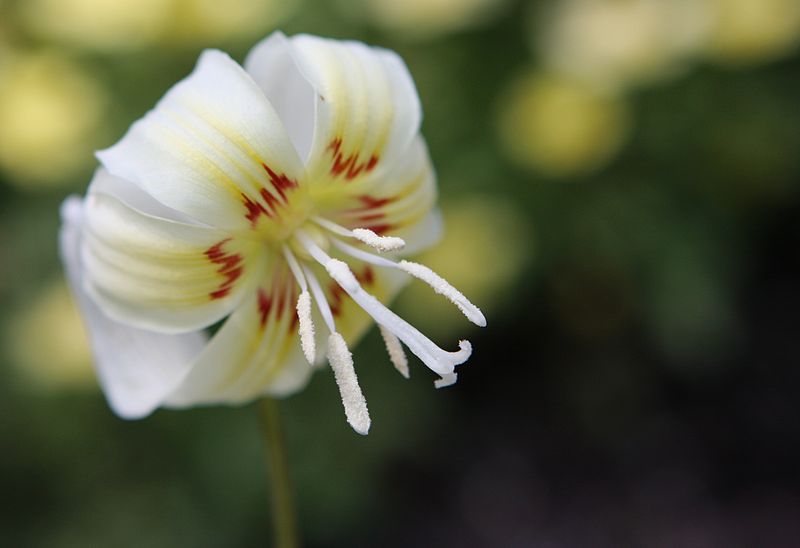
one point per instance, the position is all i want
(71, 209)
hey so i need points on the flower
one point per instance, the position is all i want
(252, 196)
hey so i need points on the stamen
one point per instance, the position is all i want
(423, 273)
(306, 324)
(333, 227)
(294, 266)
(355, 406)
(383, 244)
(306, 327)
(438, 360)
(362, 255)
(442, 287)
(319, 298)
(395, 350)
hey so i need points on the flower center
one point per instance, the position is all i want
(310, 244)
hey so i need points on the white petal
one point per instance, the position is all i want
(367, 108)
(162, 275)
(257, 351)
(210, 148)
(137, 368)
(133, 196)
(398, 204)
(274, 69)
(424, 234)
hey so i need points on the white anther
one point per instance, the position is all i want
(395, 349)
(355, 406)
(383, 244)
(442, 287)
(306, 326)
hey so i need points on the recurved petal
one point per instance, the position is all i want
(257, 351)
(162, 275)
(366, 106)
(132, 195)
(214, 149)
(136, 368)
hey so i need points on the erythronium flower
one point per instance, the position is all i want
(262, 197)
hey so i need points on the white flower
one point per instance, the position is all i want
(252, 196)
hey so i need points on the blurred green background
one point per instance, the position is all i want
(620, 181)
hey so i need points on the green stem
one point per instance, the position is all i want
(284, 519)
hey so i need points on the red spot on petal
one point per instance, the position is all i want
(264, 306)
(269, 201)
(219, 293)
(280, 182)
(371, 217)
(295, 320)
(380, 228)
(335, 146)
(373, 161)
(281, 302)
(230, 267)
(254, 210)
(350, 166)
(336, 298)
(370, 202)
(367, 276)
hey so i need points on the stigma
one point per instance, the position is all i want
(311, 245)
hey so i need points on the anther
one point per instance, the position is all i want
(384, 244)
(395, 350)
(366, 236)
(306, 326)
(355, 406)
(442, 287)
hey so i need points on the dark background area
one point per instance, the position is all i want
(623, 208)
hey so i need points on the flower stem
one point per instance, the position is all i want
(284, 519)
